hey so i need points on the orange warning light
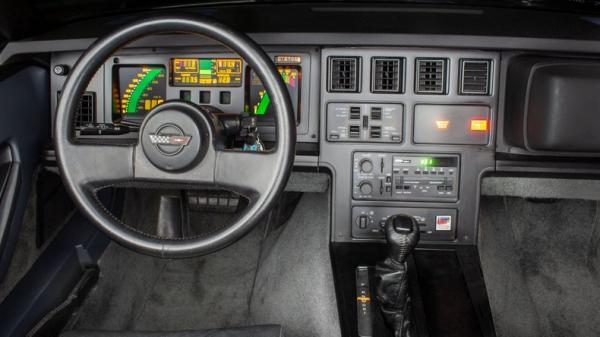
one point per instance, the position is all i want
(442, 124)
(479, 125)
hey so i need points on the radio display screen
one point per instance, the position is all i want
(257, 98)
(136, 89)
(206, 72)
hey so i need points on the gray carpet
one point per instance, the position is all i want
(294, 283)
(137, 292)
(540, 262)
(284, 278)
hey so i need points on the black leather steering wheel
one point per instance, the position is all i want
(260, 176)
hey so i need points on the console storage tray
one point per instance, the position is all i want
(553, 104)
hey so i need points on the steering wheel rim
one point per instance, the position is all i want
(84, 173)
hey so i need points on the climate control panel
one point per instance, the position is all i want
(405, 177)
(354, 122)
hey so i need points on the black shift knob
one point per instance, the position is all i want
(402, 234)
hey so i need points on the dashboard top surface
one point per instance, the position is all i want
(489, 18)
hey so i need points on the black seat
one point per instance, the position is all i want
(252, 331)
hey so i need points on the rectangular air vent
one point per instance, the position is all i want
(86, 113)
(475, 77)
(386, 74)
(430, 76)
(344, 74)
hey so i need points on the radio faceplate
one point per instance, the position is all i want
(405, 177)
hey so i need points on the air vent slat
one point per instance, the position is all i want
(86, 113)
(386, 75)
(431, 76)
(475, 77)
(344, 74)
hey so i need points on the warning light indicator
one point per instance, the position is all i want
(479, 125)
(442, 124)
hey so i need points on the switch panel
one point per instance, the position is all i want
(435, 224)
(405, 177)
(378, 123)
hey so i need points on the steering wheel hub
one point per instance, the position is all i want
(174, 136)
(169, 139)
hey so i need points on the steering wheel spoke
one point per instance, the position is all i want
(101, 164)
(249, 173)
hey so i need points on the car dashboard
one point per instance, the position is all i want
(401, 122)
(401, 129)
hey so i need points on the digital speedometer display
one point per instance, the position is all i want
(137, 89)
(257, 99)
(206, 72)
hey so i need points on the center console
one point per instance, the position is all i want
(408, 132)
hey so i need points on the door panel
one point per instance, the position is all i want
(24, 130)
(9, 185)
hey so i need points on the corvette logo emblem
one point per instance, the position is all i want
(170, 140)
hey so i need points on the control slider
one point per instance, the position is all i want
(363, 302)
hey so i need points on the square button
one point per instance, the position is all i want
(225, 97)
(204, 97)
(185, 95)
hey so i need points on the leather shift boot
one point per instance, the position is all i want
(393, 295)
(391, 275)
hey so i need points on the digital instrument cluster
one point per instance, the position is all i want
(138, 88)
(207, 72)
(257, 98)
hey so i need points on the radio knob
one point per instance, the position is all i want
(366, 166)
(365, 188)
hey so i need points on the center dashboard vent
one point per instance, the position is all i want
(430, 76)
(344, 74)
(475, 77)
(386, 74)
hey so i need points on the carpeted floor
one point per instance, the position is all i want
(540, 262)
(137, 292)
(284, 278)
(25, 251)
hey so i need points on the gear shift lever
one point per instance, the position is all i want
(391, 277)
